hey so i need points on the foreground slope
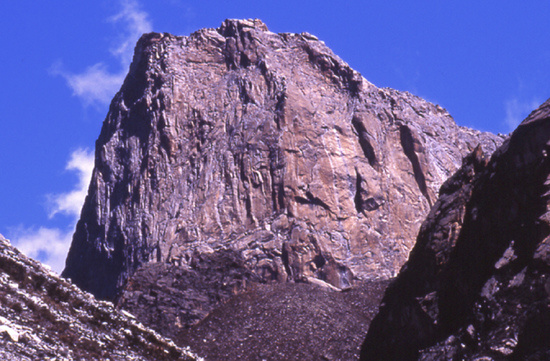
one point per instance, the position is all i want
(43, 317)
(477, 284)
(265, 146)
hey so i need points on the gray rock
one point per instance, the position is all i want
(43, 317)
(287, 321)
(266, 145)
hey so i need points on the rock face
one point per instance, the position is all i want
(266, 145)
(43, 317)
(477, 284)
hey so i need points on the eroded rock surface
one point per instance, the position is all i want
(266, 145)
(477, 284)
(233, 317)
(44, 317)
(170, 298)
(287, 321)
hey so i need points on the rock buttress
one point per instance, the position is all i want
(266, 145)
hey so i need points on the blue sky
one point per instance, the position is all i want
(486, 62)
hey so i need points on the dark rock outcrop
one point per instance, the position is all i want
(44, 317)
(170, 298)
(278, 321)
(477, 284)
(232, 317)
(265, 145)
(287, 321)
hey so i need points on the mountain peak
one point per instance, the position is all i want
(265, 148)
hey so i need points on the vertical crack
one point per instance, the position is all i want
(366, 146)
(276, 171)
(407, 142)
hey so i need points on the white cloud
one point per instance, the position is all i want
(517, 110)
(47, 245)
(51, 245)
(70, 203)
(97, 85)
(136, 23)
(94, 86)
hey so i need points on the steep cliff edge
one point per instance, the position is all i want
(266, 146)
(477, 284)
(44, 317)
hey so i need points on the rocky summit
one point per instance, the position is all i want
(477, 283)
(264, 150)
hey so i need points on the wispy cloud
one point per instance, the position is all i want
(517, 110)
(70, 203)
(47, 245)
(97, 84)
(135, 22)
(50, 245)
(94, 86)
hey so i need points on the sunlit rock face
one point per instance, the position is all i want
(477, 284)
(269, 147)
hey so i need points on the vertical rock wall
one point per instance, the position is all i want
(267, 145)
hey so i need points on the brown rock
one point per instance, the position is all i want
(265, 145)
(475, 285)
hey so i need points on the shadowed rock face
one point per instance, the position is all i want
(235, 318)
(170, 298)
(44, 317)
(477, 284)
(288, 321)
(264, 145)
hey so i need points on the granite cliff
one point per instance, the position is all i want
(477, 283)
(263, 149)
